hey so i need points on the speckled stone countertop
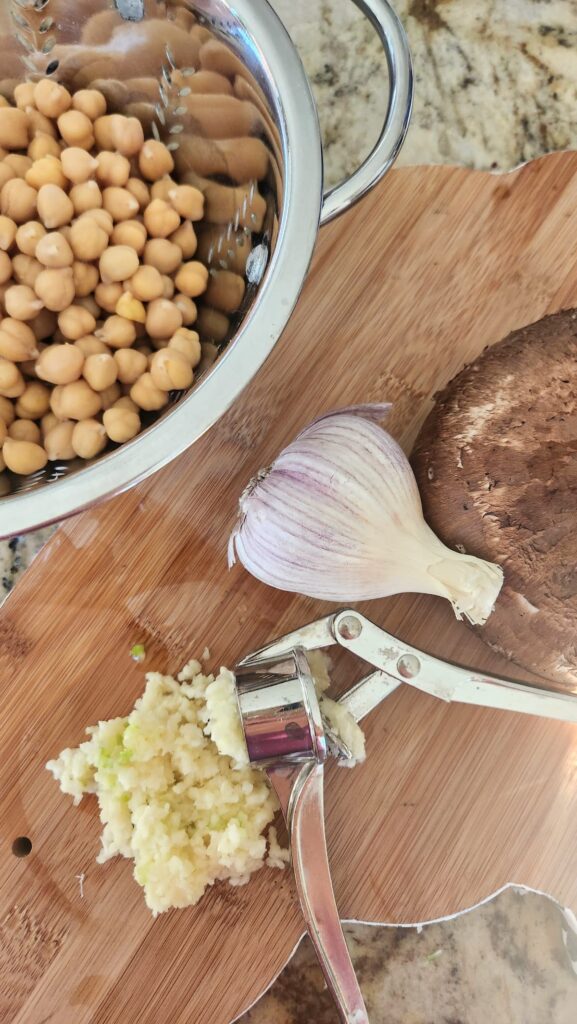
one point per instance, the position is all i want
(496, 85)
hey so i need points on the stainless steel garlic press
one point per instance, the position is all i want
(287, 736)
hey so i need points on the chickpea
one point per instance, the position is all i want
(43, 145)
(187, 201)
(26, 270)
(7, 410)
(155, 160)
(6, 175)
(209, 356)
(117, 332)
(103, 219)
(118, 263)
(28, 235)
(88, 241)
(163, 318)
(185, 238)
(7, 233)
(23, 457)
(52, 250)
(192, 279)
(89, 303)
(131, 233)
(3, 431)
(12, 382)
(75, 322)
(54, 206)
(19, 164)
(162, 254)
(17, 341)
(88, 438)
(161, 189)
(85, 278)
(108, 296)
(58, 441)
(131, 308)
(90, 102)
(21, 302)
(46, 171)
(139, 190)
(48, 421)
(86, 197)
(76, 129)
(51, 98)
(39, 124)
(25, 430)
(78, 401)
(34, 401)
(121, 424)
(127, 134)
(100, 370)
(125, 402)
(147, 284)
(170, 369)
(160, 219)
(167, 287)
(5, 268)
(18, 200)
(112, 169)
(103, 133)
(188, 343)
(145, 394)
(110, 396)
(60, 364)
(43, 325)
(14, 128)
(55, 288)
(24, 95)
(56, 401)
(120, 203)
(212, 325)
(28, 368)
(158, 343)
(130, 364)
(187, 308)
(91, 345)
(78, 165)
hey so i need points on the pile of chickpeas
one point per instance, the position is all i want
(97, 276)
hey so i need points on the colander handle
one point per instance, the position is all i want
(385, 151)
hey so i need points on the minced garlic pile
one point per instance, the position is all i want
(175, 790)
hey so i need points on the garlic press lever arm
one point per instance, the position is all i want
(406, 664)
(305, 819)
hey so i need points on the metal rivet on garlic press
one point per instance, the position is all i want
(350, 628)
(408, 666)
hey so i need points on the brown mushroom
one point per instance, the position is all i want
(496, 464)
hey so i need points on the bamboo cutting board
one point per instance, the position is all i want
(453, 801)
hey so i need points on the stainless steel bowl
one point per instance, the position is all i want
(145, 54)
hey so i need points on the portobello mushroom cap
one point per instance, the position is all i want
(496, 465)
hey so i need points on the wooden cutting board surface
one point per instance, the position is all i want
(453, 801)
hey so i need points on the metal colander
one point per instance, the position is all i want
(224, 89)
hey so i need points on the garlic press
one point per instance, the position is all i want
(287, 736)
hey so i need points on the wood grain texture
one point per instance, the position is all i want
(453, 801)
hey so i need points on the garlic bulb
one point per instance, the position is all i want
(338, 517)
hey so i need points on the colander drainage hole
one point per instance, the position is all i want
(22, 846)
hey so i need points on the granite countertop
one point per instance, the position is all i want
(496, 85)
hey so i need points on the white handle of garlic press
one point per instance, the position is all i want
(440, 679)
(315, 888)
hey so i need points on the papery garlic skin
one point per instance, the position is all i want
(338, 516)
